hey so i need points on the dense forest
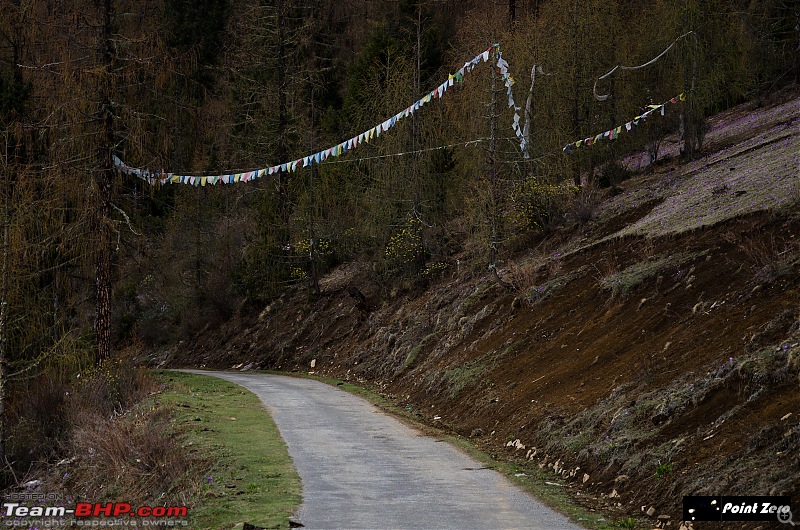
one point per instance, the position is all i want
(98, 263)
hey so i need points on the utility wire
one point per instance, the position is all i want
(604, 97)
(405, 153)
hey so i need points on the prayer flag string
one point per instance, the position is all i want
(612, 134)
(163, 177)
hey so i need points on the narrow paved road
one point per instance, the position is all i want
(362, 468)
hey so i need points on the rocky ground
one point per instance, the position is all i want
(649, 353)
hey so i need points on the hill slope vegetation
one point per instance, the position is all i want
(645, 354)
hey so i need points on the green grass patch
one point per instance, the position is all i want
(628, 522)
(663, 470)
(623, 282)
(471, 301)
(252, 478)
(413, 355)
(459, 377)
(455, 379)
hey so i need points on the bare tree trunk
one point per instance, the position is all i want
(691, 132)
(526, 130)
(576, 172)
(312, 247)
(419, 50)
(494, 198)
(797, 50)
(284, 208)
(312, 239)
(493, 179)
(104, 178)
(4, 309)
(417, 192)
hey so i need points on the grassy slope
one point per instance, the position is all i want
(252, 479)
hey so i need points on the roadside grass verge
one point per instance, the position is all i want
(529, 478)
(252, 479)
(539, 484)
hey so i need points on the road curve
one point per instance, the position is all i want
(361, 468)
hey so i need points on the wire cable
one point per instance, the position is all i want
(405, 153)
(604, 97)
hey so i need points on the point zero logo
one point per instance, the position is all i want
(737, 508)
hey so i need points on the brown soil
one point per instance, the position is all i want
(680, 380)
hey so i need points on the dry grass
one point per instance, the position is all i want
(554, 283)
(99, 435)
(750, 172)
(137, 457)
(613, 431)
(121, 442)
(624, 282)
(524, 274)
(723, 188)
(585, 205)
(770, 258)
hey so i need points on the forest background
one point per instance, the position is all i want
(98, 266)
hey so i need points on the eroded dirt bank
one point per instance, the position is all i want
(649, 353)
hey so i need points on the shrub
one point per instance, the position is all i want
(322, 253)
(109, 387)
(613, 174)
(35, 418)
(537, 204)
(109, 439)
(584, 207)
(663, 469)
(434, 270)
(404, 252)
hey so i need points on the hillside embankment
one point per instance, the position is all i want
(648, 353)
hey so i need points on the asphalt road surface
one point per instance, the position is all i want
(361, 468)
